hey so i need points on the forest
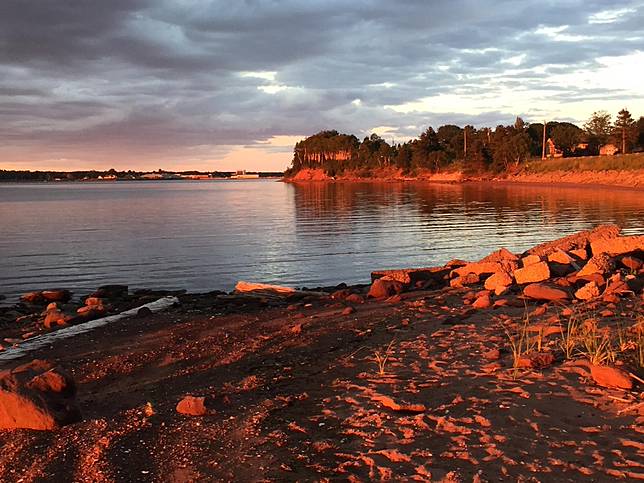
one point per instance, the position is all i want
(469, 149)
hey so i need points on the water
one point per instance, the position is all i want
(208, 235)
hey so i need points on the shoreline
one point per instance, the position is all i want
(633, 180)
(416, 376)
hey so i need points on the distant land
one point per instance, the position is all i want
(113, 175)
(548, 153)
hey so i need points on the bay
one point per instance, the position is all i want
(207, 235)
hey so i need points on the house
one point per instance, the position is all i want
(608, 150)
(553, 152)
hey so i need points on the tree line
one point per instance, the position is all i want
(472, 150)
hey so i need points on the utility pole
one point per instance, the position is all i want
(465, 142)
(543, 144)
(623, 140)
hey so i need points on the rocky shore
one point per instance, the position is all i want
(517, 367)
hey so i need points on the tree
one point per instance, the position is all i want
(625, 129)
(640, 132)
(566, 136)
(598, 127)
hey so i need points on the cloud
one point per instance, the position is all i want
(183, 83)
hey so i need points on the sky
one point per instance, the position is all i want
(225, 85)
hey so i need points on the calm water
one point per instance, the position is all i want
(208, 235)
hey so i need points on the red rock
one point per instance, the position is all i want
(192, 406)
(388, 402)
(91, 311)
(530, 260)
(464, 280)
(536, 272)
(483, 302)
(383, 288)
(600, 263)
(607, 376)
(499, 280)
(56, 295)
(501, 255)
(89, 301)
(576, 241)
(501, 302)
(539, 291)
(483, 268)
(354, 298)
(588, 291)
(33, 298)
(617, 246)
(536, 360)
(38, 396)
(606, 313)
(492, 355)
(348, 311)
(412, 276)
(632, 263)
(560, 257)
(580, 253)
(54, 317)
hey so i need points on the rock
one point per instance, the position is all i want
(90, 301)
(536, 360)
(600, 263)
(561, 270)
(617, 246)
(577, 241)
(52, 306)
(561, 257)
(539, 291)
(54, 317)
(491, 355)
(607, 376)
(588, 291)
(58, 295)
(632, 263)
(34, 298)
(192, 406)
(411, 276)
(383, 288)
(537, 272)
(498, 280)
(111, 291)
(348, 311)
(530, 260)
(354, 298)
(143, 312)
(501, 255)
(37, 395)
(483, 302)
(92, 311)
(464, 280)
(484, 268)
(580, 253)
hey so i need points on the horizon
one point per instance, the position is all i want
(147, 85)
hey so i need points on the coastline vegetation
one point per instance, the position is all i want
(520, 147)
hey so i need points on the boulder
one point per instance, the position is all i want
(577, 241)
(192, 406)
(600, 263)
(34, 298)
(561, 257)
(498, 280)
(617, 246)
(412, 276)
(58, 295)
(484, 268)
(530, 260)
(607, 376)
(588, 291)
(55, 317)
(537, 272)
(500, 256)
(482, 302)
(382, 288)
(580, 253)
(355, 298)
(93, 301)
(464, 280)
(540, 291)
(37, 395)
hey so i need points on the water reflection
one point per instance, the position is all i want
(204, 236)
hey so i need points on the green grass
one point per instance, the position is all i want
(625, 162)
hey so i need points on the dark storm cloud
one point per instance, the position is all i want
(167, 77)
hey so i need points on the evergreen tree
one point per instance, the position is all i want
(625, 129)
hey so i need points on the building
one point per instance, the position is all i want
(553, 152)
(608, 150)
